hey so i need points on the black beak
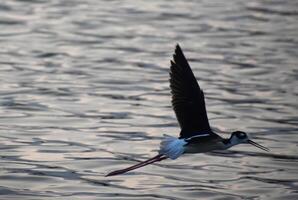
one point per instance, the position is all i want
(258, 145)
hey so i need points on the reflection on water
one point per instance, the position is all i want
(84, 91)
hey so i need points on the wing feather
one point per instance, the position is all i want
(187, 98)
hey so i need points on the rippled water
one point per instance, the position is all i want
(84, 91)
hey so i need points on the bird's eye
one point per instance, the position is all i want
(241, 135)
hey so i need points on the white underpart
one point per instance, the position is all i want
(172, 147)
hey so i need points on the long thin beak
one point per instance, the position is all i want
(258, 145)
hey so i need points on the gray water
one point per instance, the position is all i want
(84, 91)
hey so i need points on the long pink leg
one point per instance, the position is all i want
(141, 164)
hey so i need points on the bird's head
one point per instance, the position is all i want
(239, 137)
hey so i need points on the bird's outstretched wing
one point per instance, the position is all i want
(187, 98)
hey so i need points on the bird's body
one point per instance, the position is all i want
(196, 135)
(205, 145)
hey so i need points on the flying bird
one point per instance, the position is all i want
(196, 135)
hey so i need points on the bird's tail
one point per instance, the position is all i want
(172, 147)
(157, 158)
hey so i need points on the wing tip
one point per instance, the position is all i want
(178, 56)
(178, 50)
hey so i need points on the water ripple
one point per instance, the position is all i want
(84, 91)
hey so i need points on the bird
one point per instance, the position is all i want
(188, 103)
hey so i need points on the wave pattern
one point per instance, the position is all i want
(84, 91)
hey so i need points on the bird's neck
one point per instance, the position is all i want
(230, 142)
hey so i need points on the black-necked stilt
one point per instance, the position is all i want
(188, 103)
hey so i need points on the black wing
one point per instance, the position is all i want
(187, 98)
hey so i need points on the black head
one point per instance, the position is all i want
(239, 135)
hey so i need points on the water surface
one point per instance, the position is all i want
(84, 91)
